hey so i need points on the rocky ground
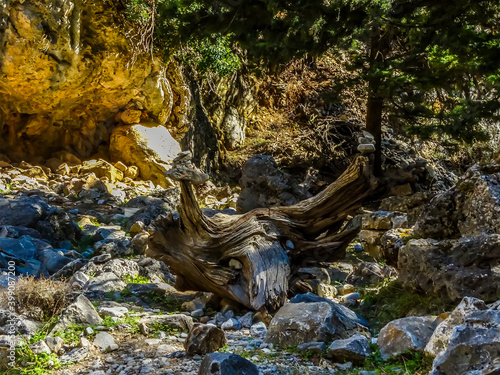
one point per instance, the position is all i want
(99, 305)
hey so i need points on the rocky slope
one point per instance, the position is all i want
(106, 308)
(67, 68)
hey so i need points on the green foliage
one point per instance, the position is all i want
(157, 327)
(7, 189)
(30, 363)
(129, 279)
(434, 64)
(392, 301)
(72, 334)
(84, 244)
(168, 302)
(410, 363)
(213, 52)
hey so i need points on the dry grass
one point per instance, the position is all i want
(39, 299)
(305, 117)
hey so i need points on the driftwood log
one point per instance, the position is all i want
(254, 258)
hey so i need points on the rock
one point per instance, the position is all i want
(122, 267)
(150, 148)
(346, 289)
(366, 148)
(52, 261)
(132, 172)
(137, 228)
(120, 166)
(378, 220)
(309, 318)
(79, 312)
(103, 283)
(327, 291)
(232, 324)
(351, 298)
(317, 273)
(263, 184)
(197, 313)
(354, 349)
(102, 168)
(105, 342)
(111, 232)
(391, 243)
(412, 205)
(150, 208)
(371, 241)
(441, 336)
(470, 208)
(157, 272)
(236, 264)
(203, 339)
(197, 303)
(315, 348)
(40, 347)
(74, 356)
(401, 190)
(371, 273)
(114, 312)
(65, 102)
(53, 224)
(246, 320)
(453, 269)
(400, 335)
(473, 347)
(140, 243)
(23, 325)
(54, 343)
(175, 321)
(226, 364)
(114, 247)
(78, 278)
(258, 330)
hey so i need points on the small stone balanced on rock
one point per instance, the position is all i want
(366, 143)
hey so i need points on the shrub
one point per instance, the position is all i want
(39, 299)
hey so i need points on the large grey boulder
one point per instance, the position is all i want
(79, 312)
(265, 185)
(469, 208)
(453, 269)
(441, 336)
(226, 364)
(401, 335)
(474, 347)
(308, 318)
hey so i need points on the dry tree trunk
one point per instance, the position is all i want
(253, 258)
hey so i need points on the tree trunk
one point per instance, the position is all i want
(374, 109)
(253, 258)
(375, 103)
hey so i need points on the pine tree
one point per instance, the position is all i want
(429, 64)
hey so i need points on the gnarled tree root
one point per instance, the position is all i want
(253, 258)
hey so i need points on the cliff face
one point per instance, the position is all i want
(66, 68)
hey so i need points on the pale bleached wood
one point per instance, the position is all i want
(198, 248)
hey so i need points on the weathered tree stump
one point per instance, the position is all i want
(254, 258)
